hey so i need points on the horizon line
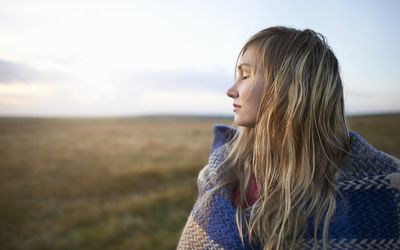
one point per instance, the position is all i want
(165, 115)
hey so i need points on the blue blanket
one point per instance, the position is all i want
(370, 184)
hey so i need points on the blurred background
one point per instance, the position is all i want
(107, 107)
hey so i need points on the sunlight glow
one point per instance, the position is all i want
(78, 51)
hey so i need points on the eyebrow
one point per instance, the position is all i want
(243, 64)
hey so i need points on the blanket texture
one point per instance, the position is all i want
(370, 185)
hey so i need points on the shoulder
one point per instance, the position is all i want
(365, 163)
(208, 176)
(222, 134)
(369, 196)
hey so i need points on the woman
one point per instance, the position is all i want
(292, 176)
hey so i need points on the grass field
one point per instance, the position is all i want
(124, 183)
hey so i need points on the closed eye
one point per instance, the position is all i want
(245, 77)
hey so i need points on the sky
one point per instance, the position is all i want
(143, 57)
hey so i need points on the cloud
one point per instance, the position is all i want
(173, 91)
(151, 91)
(11, 72)
(189, 102)
(371, 100)
(215, 79)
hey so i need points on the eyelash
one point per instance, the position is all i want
(245, 77)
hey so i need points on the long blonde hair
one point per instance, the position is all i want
(297, 145)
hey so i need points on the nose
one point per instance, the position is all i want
(232, 92)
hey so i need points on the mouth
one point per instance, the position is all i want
(236, 107)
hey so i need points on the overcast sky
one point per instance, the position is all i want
(154, 57)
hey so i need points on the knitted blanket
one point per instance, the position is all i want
(370, 184)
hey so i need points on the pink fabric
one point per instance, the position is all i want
(251, 196)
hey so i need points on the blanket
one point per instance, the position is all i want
(370, 185)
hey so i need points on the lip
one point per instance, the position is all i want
(236, 107)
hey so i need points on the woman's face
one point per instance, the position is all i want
(246, 92)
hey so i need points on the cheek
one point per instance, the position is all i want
(247, 95)
(243, 91)
(258, 92)
(257, 99)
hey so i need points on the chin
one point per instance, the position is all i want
(244, 122)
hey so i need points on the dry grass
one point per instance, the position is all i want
(112, 183)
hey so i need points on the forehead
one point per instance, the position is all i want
(247, 59)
